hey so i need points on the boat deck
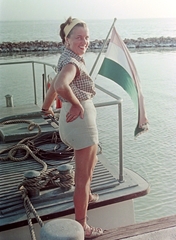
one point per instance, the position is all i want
(159, 229)
(54, 202)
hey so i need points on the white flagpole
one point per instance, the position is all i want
(102, 47)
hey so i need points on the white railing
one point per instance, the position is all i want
(117, 101)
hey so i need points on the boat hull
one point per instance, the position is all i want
(107, 217)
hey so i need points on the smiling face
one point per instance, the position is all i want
(78, 41)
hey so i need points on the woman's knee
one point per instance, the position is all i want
(85, 160)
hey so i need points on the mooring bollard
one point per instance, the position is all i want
(62, 229)
(32, 192)
(64, 170)
(9, 100)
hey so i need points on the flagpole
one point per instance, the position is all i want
(102, 47)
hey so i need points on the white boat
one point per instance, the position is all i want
(117, 186)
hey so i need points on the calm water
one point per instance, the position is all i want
(48, 30)
(153, 154)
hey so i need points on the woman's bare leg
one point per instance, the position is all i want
(85, 160)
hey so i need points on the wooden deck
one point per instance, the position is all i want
(159, 229)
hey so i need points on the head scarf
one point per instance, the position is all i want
(70, 26)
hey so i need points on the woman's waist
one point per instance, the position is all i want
(81, 101)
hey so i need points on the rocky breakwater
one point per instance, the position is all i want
(49, 46)
(161, 42)
(32, 46)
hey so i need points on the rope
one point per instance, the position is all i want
(28, 151)
(31, 126)
(34, 146)
(50, 177)
(59, 150)
(30, 209)
(21, 146)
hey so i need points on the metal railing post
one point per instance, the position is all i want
(45, 80)
(33, 72)
(120, 142)
(35, 93)
(119, 102)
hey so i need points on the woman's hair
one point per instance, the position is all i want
(68, 22)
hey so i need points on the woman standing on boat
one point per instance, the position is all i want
(77, 122)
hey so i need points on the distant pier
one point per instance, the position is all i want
(50, 46)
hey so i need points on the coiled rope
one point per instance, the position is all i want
(40, 145)
(33, 146)
(11, 151)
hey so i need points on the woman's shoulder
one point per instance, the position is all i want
(69, 57)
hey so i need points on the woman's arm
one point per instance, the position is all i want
(50, 97)
(62, 87)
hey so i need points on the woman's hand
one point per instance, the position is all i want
(48, 111)
(75, 112)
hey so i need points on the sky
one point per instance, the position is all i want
(14, 10)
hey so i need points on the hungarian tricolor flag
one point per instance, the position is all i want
(119, 67)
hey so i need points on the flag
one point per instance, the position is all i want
(119, 67)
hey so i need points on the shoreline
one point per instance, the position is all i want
(50, 53)
(96, 45)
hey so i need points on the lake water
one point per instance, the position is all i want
(153, 154)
